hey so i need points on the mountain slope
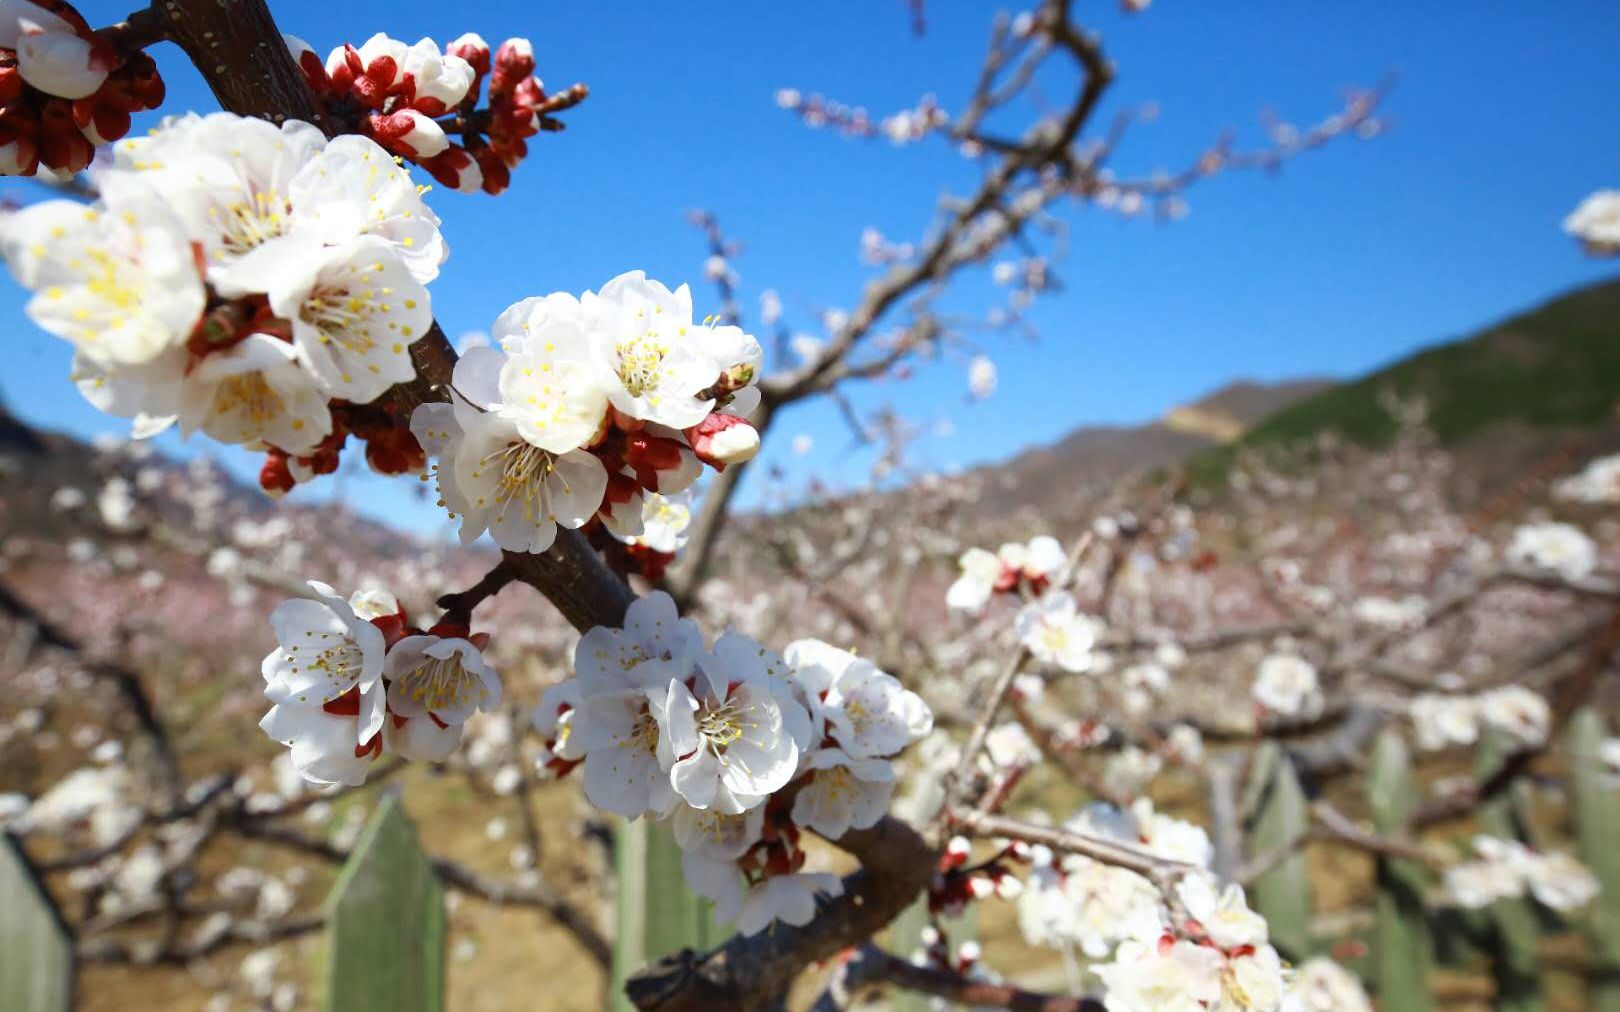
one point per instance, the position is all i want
(1557, 366)
(1093, 458)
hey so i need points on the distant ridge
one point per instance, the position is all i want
(1094, 457)
(1554, 369)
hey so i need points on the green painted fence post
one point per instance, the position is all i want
(656, 913)
(36, 948)
(1278, 816)
(1403, 949)
(1596, 811)
(386, 923)
(1515, 961)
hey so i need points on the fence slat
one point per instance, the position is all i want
(387, 925)
(1596, 810)
(657, 913)
(1515, 959)
(1282, 895)
(36, 949)
(1403, 949)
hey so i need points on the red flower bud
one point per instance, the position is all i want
(722, 439)
(513, 62)
(274, 477)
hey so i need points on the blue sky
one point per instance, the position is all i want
(1503, 119)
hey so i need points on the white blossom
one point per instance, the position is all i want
(1596, 222)
(548, 386)
(664, 521)
(116, 279)
(1321, 985)
(843, 793)
(1224, 914)
(1598, 482)
(790, 899)
(51, 55)
(445, 678)
(254, 393)
(868, 713)
(1520, 713)
(1287, 685)
(981, 377)
(722, 735)
(647, 357)
(355, 310)
(1055, 631)
(493, 478)
(325, 651)
(1507, 869)
(325, 679)
(1441, 720)
(1154, 977)
(1563, 549)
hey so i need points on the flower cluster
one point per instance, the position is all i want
(350, 680)
(739, 748)
(1562, 549)
(1507, 869)
(63, 89)
(406, 96)
(1075, 900)
(1201, 948)
(1518, 713)
(589, 405)
(1218, 957)
(254, 282)
(1011, 567)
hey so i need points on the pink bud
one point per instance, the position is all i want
(513, 62)
(722, 439)
(472, 48)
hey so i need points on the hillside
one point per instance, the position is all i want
(1554, 368)
(1094, 457)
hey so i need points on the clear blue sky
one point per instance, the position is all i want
(1503, 119)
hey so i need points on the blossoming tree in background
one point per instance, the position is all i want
(262, 275)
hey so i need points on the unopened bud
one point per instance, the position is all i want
(723, 439)
(408, 132)
(514, 61)
(472, 48)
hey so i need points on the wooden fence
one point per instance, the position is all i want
(386, 931)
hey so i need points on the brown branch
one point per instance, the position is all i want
(240, 53)
(109, 950)
(1161, 871)
(131, 689)
(141, 29)
(458, 607)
